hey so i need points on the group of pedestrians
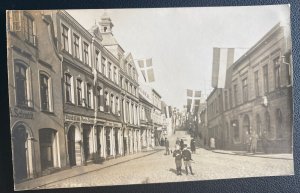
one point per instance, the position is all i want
(180, 153)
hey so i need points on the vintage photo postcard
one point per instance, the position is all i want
(136, 96)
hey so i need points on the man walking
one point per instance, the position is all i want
(193, 146)
(187, 157)
(178, 160)
(167, 145)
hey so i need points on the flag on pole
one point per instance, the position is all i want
(193, 100)
(147, 69)
(222, 59)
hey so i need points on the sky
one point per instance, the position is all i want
(180, 41)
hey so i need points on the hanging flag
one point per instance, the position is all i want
(222, 59)
(193, 100)
(147, 69)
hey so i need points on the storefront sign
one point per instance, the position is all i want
(21, 113)
(69, 117)
(87, 120)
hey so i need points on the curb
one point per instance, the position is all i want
(49, 181)
(248, 155)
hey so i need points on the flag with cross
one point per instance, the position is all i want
(147, 71)
(193, 100)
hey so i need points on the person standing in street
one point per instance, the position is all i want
(193, 146)
(187, 157)
(181, 144)
(167, 145)
(254, 138)
(178, 160)
(177, 141)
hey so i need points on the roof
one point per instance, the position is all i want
(108, 39)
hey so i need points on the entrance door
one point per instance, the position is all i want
(47, 142)
(116, 142)
(71, 146)
(86, 143)
(20, 137)
(108, 141)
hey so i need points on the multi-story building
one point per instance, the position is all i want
(74, 94)
(157, 116)
(35, 100)
(130, 103)
(258, 95)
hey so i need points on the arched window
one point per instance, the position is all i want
(258, 125)
(267, 123)
(246, 124)
(22, 85)
(279, 129)
(45, 91)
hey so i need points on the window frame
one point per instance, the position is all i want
(49, 90)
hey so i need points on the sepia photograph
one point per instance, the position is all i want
(105, 97)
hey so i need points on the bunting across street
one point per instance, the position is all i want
(146, 68)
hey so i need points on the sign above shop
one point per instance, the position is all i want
(21, 113)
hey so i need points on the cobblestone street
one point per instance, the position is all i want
(158, 168)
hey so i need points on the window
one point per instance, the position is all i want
(236, 130)
(85, 53)
(79, 92)
(230, 98)
(220, 103)
(45, 92)
(103, 66)
(29, 30)
(76, 46)
(109, 70)
(279, 127)
(226, 100)
(266, 78)
(89, 96)
(21, 78)
(121, 82)
(245, 90)
(65, 38)
(115, 75)
(68, 85)
(276, 72)
(112, 110)
(97, 65)
(106, 102)
(235, 94)
(99, 98)
(256, 84)
(134, 74)
(267, 123)
(16, 21)
(117, 106)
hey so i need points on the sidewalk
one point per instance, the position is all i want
(285, 156)
(38, 183)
